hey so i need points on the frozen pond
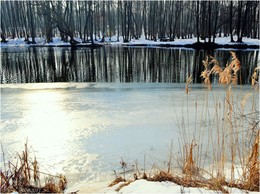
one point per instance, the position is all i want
(83, 129)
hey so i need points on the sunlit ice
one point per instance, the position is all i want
(48, 128)
(50, 118)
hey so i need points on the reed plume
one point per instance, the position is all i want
(205, 74)
(254, 78)
(227, 75)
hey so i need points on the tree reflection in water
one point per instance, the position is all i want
(113, 64)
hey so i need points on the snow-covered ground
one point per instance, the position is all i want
(84, 130)
(142, 41)
(147, 187)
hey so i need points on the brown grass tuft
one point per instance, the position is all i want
(188, 182)
(116, 181)
(189, 167)
(124, 185)
(162, 176)
(18, 178)
(144, 176)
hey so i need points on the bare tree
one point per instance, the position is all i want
(155, 19)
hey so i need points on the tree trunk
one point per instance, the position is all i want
(244, 21)
(230, 21)
(209, 22)
(91, 22)
(32, 25)
(197, 20)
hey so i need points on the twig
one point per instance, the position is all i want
(3, 156)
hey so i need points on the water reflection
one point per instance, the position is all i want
(113, 64)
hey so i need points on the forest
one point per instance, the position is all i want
(156, 20)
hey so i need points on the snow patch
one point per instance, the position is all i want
(41, 41)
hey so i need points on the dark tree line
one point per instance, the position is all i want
(163, 20)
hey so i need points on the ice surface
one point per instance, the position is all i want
(83, 129)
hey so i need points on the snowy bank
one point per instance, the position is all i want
(149, 187)
(220, 42)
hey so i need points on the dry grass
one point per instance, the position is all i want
(189, 167)
(191, 178)
(24, 177)
(251, 175)
(188, 182)
(183, 181)
(234, 124)
(116, 181)
(124, 185)
(226, 75)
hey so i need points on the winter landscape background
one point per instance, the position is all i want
(106, 89)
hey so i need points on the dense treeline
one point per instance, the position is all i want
(163, 20)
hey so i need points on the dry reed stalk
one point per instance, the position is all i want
(225, 76)
(36, 174)
(123, 165)
(251, 174)
(188, 81)
(235, 66)
(18, 177)
(189, 167)
(235, 63)
(244, 100)
(216, 69)
(206, 73)
(170, 159)
(137, 171)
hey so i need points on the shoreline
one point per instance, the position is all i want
(196, 46)
(220, 43)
